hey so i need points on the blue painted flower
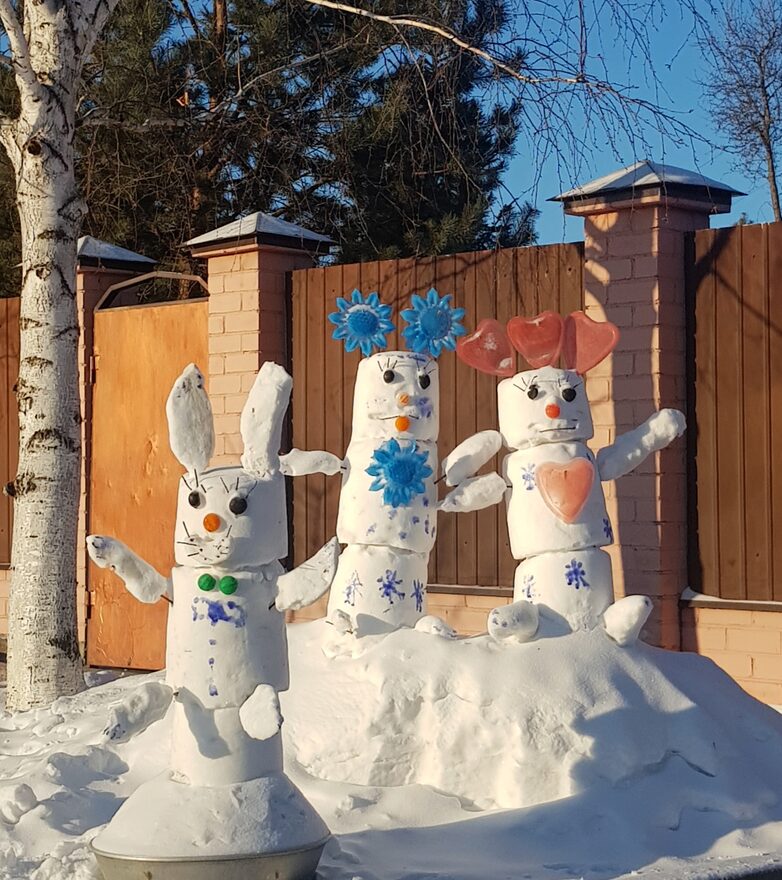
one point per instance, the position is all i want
(362, 323)
(399, 472)
(433, 324)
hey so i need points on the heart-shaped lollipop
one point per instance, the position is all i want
(539, 339)
(587, 342)
(565, 487)
(488, 349)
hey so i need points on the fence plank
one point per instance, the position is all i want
(755, 399)
(774, 470)
(730, 486)
(316, 408)
(299, 366)
(704, 565)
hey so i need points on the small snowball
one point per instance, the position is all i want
(15, 801)
(624, 620)
(517, 622)
(260, 713)
(436, 626)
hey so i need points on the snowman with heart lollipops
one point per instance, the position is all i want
(557, 518)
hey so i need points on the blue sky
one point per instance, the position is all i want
(677, 64)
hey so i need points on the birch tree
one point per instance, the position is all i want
(47, 42)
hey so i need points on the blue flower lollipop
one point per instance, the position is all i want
(433, 324)
(361, 323)
(399, 472)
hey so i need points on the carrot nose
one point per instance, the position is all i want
(401, 423)
(403, 399)
(552, 410)
(212, 522)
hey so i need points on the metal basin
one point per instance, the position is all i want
(298, 864)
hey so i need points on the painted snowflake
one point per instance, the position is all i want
(362, 323)
(418, 592)
(353, 589)
(432, 324)
(528, 582)
(607, 528)
(575, 574)
(399, 471)
(388, 586)
(528, 476)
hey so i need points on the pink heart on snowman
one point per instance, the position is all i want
(565, 487)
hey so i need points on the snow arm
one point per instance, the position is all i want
(629, 450)
(470, 456)
(299, 463)
(309, 581)
(474, 494)
(141, 580)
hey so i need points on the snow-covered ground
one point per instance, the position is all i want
(565, 757)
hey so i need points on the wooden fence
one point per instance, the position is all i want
(735, 467)
(9, 424)
(471, 550)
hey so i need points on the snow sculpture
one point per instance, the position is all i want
(557, 519)
(226, 656)
(388, 505)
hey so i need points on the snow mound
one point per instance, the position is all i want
(606, 762)
(502, 726)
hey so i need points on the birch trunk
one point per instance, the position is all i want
(43, 651)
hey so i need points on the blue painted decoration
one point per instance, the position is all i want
(388, 586)
(418, 592)
(218, 611)
(528, 476)
(528, 581)
(353, 589)
(361, 323)
(607, 528)
(432, 323)
(399, 472)
(575, 574)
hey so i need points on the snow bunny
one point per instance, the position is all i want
(226, 655)
(557, 519)
(388, 505)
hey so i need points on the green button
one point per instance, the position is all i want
(228, 584)
(206, 582)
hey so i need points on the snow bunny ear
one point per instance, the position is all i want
(262, 420)
(488, 349)
(587, 342)
(432, 323)
(538, 339)
(190, 426)
(361, 323)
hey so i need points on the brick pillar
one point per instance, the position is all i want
(248, 324)
(634, 276)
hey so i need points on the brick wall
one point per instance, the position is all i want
(247, 326)
(634, 276)
(746, 644)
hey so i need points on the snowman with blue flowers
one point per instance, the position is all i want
(388, 505)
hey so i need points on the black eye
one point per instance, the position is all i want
(237, 505)
(424, 381)
(569, 394)
(532, 392)
(194, 499)
(389, 376)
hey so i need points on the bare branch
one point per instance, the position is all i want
(401, 21)
(20, 51)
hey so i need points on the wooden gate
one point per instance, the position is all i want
(735, 296)
(9, 427)
(471, 549)
(139, 351)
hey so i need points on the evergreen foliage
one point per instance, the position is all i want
(195, 114)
